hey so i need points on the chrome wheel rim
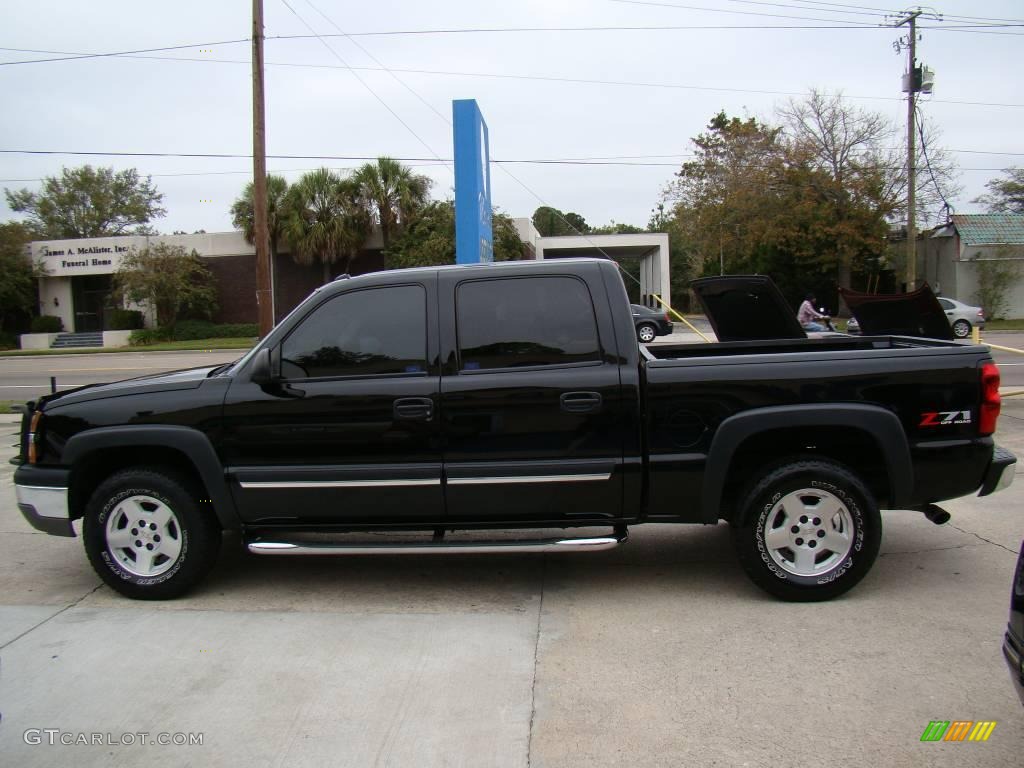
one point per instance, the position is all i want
(808, 532)
(961, 329)
(646, 334)
(143, 536)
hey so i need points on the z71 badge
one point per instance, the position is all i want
(943, 418)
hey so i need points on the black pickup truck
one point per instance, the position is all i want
(424, 403)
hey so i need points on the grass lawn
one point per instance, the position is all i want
(5, 406)
(1011, 324)
(196, 344)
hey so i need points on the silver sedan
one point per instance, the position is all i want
(962, 317)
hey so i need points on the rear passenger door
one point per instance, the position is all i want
(530, 397)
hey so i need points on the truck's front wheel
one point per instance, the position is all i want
(808, 530)
(146, 536)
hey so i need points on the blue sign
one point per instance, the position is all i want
(473, 239)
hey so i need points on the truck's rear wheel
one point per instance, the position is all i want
(808, 530)
(146, 536)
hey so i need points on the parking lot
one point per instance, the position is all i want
(660, 653)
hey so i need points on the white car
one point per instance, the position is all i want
(962, 317)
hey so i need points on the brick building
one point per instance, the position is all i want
(79, 275)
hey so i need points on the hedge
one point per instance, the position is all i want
(190, 330)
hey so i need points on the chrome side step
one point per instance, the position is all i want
(592, 544)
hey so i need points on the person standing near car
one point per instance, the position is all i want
(808, 316)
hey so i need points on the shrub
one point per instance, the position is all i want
(188, 330)
(145, 336)
(8, 341)
(47, 324)
(125, 320)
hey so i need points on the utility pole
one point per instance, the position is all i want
(264, 287)
(916, 80)
(911, 20)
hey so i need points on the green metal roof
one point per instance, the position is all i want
(990, 228)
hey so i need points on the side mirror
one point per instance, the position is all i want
(261, 372)
(263, 376)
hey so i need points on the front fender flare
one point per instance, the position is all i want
(882, 425)
(195, 446)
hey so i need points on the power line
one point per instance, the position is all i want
(68, 56)
(116, 53)
(927, 161)
(556, 79)
(849, 24)
(440, 160)
(658, 4)
(809, 5)
(380, 64)
(363, 82)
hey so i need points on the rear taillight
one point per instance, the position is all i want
(990, 402)
(667, 318)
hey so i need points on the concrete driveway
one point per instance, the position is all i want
(660, 653)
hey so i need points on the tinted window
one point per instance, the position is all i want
(376, 331)
(945, 304)
(525, 321)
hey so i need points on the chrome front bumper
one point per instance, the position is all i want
(46, 509)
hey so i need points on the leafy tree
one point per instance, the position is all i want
(849, 177)
(392, 194)
(808, 200)
(90, 202)
(18, 287)
(324, 220)
(1006, 195)
(617, 228)
(430, 239)
(996, 278)
(727, 200)
(173, 282)
(551, 222)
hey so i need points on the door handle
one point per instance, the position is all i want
(581, 402)
(414, 409)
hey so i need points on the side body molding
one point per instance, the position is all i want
(882, 425)
(190, 442)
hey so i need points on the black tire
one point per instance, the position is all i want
(180, 552)
(961, 329)
(830, 537)
(646, 333)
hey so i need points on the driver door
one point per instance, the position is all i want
(348, 434)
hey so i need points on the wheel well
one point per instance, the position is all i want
(95, 467)
(854, 448)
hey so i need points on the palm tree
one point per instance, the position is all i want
(243, 216)
(323, 220)
(392, 194)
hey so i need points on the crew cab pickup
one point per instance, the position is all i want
(424, 403)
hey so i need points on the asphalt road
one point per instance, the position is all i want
(27, 377)
(24, 378)
(660, 653)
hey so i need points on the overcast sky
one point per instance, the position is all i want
(670, 83)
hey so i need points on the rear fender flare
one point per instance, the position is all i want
(882, 425)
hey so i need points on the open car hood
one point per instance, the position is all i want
(747, 308)
(900, 314)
